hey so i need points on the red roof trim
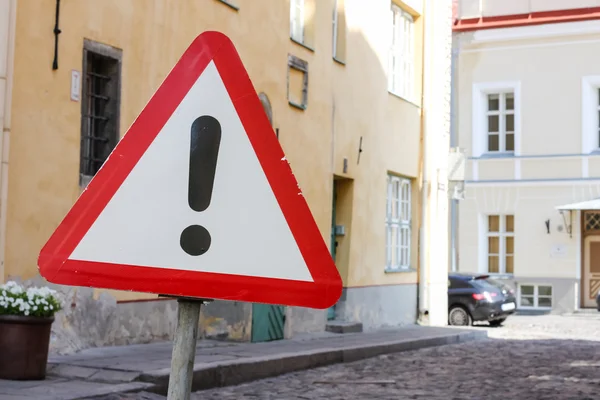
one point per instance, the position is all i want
(537, 18)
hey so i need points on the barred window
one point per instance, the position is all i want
(100, 107)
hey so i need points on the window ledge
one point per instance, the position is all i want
(228, 4)
(399, 271)
(498, 154)
(595, 152)
(337, 60)
(296, 105)
(302, 44)
(404, 99)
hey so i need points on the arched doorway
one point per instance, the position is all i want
(264, 99)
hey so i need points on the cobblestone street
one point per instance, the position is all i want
(531, 357)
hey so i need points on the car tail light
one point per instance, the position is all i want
(484, 296)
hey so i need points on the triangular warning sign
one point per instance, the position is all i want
(197, 200)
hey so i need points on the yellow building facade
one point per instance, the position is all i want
(341, 81)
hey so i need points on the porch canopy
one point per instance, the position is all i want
(593, 204)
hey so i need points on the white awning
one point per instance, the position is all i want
(593, 204)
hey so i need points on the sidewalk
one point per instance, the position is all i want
(102, 371)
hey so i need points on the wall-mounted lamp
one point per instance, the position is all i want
(548, 226)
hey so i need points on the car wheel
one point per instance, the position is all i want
(497, 322)
(458, 316)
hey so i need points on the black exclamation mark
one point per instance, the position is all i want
(204, 149)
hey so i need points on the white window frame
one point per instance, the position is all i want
(536, 297)
(502, 234)
(297, 28)
(480, 112)
(401, 57)
(590, 105)
(403, 223)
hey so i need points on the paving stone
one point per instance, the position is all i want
(545, 358)
(111, 376)
(71, 371)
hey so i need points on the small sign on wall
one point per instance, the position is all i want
(558, 250)
(75, 85)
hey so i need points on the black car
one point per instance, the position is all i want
(477, 297)
(598, 300)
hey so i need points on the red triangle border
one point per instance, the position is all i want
(209, 46)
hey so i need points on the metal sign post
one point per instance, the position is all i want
(184, 348)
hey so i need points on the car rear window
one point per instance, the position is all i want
(484, 285)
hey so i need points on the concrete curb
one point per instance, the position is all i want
(234, 372)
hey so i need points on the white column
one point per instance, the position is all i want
(436, 108)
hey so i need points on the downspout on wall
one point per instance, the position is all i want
(421, 294)
(453, 143)
(8, 21)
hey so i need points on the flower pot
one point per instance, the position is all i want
(24, 343)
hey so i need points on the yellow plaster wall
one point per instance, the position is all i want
(345, 102)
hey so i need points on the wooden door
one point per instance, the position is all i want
(268, 322)
(590, 278)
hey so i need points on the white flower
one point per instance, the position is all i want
(26, 312)
(51, 307)
(45, 308)
(35, 308)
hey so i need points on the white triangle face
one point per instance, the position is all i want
(143, 222)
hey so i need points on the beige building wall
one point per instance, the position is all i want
(552, 70)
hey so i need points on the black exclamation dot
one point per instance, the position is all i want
(204, 149)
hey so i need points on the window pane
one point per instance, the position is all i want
(510, 245)
(493, 123)
(510, 142)
(493, 102)
(510, 265)
(527, 301)
(493, 143)
(510, 101)
(510, 223)
(527, 290)
(388, 246)
(493, 245)
(509, 119)
(394, 253)
(544, 302)
(493, 223)
(544, 290)
(493, 264)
